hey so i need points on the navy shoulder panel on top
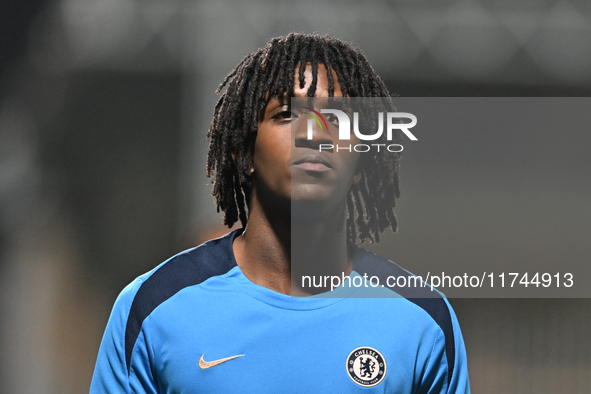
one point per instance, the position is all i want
(432, 302)
(188, 268)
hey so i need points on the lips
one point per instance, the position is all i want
(312, 163)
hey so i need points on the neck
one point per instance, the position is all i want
(276, 250)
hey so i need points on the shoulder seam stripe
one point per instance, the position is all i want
(430, 301)
(189, 268)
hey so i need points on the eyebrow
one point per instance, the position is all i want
(285, 97)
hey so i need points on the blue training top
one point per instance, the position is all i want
(196, 324)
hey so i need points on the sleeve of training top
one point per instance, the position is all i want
(460, 382)
(111, 374)
(435, 373)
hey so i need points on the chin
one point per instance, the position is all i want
(314, 210)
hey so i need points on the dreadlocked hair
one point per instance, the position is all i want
(272, 70)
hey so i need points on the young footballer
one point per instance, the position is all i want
(233, 315)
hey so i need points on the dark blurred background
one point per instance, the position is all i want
(104, 106)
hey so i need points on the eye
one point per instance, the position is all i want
(332, 118)
(285, 115)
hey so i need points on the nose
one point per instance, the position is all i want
(308, 132)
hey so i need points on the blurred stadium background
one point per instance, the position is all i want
(104, 105)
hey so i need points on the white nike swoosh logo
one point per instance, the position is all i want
(208, 364)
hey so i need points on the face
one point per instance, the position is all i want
(291, 167)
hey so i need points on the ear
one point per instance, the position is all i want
(360, 168)
(357, 177)
(234, 154)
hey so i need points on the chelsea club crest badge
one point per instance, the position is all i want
(366, 366)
